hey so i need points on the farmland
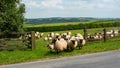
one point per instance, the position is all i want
(42, 52)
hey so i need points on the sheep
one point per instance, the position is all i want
(46, 38)
(38, 35)
(71, 44)
(63, 35)
(49, 38)
(79, 35)
(58, 45)
(41, 34)
(96, 36)
(57, 34)
(83, 42)
(109, 32)
(51, 47)
(116, 32)
(67, 37)
(51, 34)
(69, 33)
(80, 40)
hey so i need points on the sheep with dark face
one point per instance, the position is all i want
(51, 47)
(58, 45)
(80, 40)
(71, 44)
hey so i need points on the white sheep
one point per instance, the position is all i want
(79, 39)
(67, 37)
(58, 45)
(46, 39)
(79, 35)
(52, 34)
(51, 47)
(69, 33)
(49, 38)
(81, 43)
(71, 44)
(41, 34)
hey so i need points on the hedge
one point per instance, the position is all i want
(72, 27)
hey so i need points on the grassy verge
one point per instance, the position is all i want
(42, 52)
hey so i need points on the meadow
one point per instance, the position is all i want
(42, 52)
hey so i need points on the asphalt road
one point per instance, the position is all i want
(97, 60)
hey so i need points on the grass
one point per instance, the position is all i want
(53, 24)
(42, 52)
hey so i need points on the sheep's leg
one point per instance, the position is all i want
(79, 47)
(57, 51)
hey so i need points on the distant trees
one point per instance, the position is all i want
(11, 15)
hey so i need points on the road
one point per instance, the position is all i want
(109, 59)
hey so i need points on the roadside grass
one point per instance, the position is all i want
(42, 52)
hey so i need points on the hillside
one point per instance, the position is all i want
(66, 19)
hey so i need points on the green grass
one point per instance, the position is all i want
(42, 52)
(53, 24)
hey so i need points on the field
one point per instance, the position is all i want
(53, 24)
(42, 52)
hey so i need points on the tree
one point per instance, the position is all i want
(11, 15)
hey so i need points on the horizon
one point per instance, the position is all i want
(74, 17)
(72, 8)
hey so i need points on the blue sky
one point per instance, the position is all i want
(72, 8)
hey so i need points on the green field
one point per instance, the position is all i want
(42, 52)
(53, 24)
(69, 23)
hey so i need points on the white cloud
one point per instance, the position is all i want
(52, 3)
(45, 4)
(33, 4)
(95, 4)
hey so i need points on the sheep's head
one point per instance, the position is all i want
(51, 46)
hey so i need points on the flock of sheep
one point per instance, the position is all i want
(65, 41)
(99, 36)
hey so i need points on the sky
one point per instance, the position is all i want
(72, 8)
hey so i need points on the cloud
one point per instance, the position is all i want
(52, 3)
(95, 4)
(45, 4)
(33, 4)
